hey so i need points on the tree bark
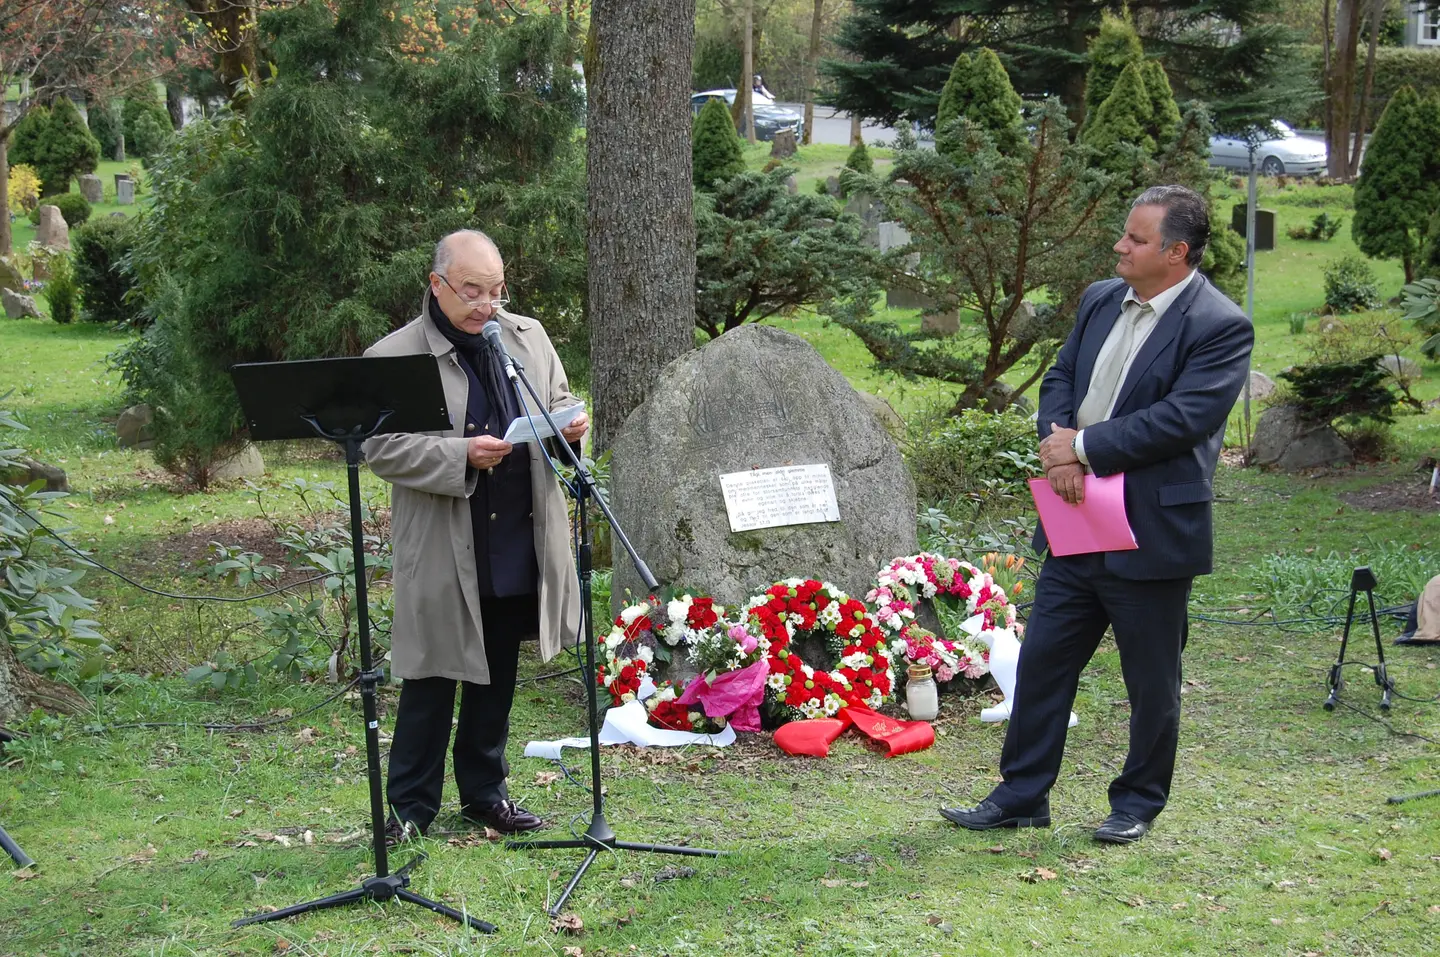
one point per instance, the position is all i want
(811, 61)
(1362, 115)
(640, 225)
(175, 105)
(747, 72)
(5, 237)
(857, 135)
(231, 24)
(1340, 87)
(22, 690)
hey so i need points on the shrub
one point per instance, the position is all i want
(978, 90)
(61, 291)
(65, 149)
(1429, 267)
(72, 206)
(859, 160)
(1322, 229)
(1350, 285)
(1399, 184)
(976, 455)
(1297, 323)
(28, 137)
(715, 146)
(1352, 391)
(24, 189)
(105, 126)
(1224, 261)
(102, 271)
(1421, 301)
(147, 126)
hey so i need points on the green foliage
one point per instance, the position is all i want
(1395, 66)
(61, 291)
(1164, 112)
(305, 228)
(1350, 285)
(1322, 229)
(1120, 127)
(1351, 390)
(1224, 260)
(1421, 301)
(28, 138)
(1307, 584)
(718, 59)
(102, 249)
(105, 125)
(1399, 185)
(65, 150)
(1429, 266)
(715, 146)
(147, 126)
(43, 617)
(859, 160)
(975, 455)
(978, 90)
(74, 207)
(762, 252)
(1115, 46)
(989, 251)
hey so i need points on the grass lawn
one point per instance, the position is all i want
(1277, 839)
(23, 232)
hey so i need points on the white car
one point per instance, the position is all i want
(1286, 153)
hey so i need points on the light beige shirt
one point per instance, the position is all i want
(1159, 303)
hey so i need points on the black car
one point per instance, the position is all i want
(769, 118)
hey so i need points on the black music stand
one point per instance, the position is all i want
(21, 859)
(347, 401)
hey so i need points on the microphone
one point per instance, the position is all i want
(491, 332)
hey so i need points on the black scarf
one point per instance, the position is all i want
(484, 363)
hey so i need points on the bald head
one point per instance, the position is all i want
(470, 241)
(466, 277)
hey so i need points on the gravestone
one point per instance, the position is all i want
(756, 398)
(119, 147)
(52, 231)
(1261, 385)
(782, 145)
(870, 211)
(125, 191)
(892, 235)
(1285, 440)
(791, 186)
(10, 277)
(18, 306)
(1264, 225)
(92, 188)
(132, 430)
(1402, 369)
(244, 464)
(118, 178)
(27, 470)
(832, 185)
(940, 323)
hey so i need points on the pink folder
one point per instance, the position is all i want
(1098, 524)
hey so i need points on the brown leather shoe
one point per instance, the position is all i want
(397, 832)
(507, 817)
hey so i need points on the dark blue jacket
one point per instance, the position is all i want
(1168, 423)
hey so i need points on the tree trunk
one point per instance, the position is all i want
(232, 30)
(1362, 115)
(747, 72)
(175, 105)
(811, 61)
(640, 228)
(5, 236)
(22, 690)
(857, 135)
(1340, 87)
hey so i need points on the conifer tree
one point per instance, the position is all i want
(1164, 112)
(715, 146)
(105, 126)
(1115, 46)
(66, 149)
(1399, 185)
(978, 90)
(28, 137)
(1119, 131)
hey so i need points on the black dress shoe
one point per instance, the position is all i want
(1121, 828)
(507, 817)
(397, 832)
(987, 816)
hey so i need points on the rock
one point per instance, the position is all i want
(832, 185)
(1261, 385)
(133, 428)
(783, 145)
(1285, 440)
(904, 293)
(244, 464)
(10, 277)
(18, 306)
(884, 413)
(756, 397)
(1403, 370)
(892, 236)
(119, 156)
(791, 186)
(1329, 324)
(92, 188)
(125, 192)
(940, 323)
(52, 231)
(28, 470)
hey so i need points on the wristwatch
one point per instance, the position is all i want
(1075, 444)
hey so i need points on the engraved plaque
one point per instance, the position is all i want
(789, 495)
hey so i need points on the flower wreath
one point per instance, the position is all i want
(863, 675)
(629, 653)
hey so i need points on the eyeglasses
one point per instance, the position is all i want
(477, 303)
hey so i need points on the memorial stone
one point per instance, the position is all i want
(52, 231)
(92, 188)
(125, 191)
(757, 398)
(18, 305)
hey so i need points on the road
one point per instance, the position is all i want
(833, 127)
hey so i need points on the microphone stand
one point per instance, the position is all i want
(599, 836)
(1362, 579)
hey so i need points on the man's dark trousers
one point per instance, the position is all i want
(427, 705)
(1076, 598)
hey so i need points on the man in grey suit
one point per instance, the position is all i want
(1143, 386)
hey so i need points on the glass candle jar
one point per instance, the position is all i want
(922, 698)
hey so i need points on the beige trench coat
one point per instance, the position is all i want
(436, 631)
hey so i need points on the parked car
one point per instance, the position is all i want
(1286, 153)
(769, 118)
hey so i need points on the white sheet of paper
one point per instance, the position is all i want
(528, 427)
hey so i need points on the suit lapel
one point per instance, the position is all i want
(1160, 339)
(1107, 313)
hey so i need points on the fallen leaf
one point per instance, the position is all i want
(282, 946)
(933, 920)
(1384, 854)
(573, 952)
(997, 849)
(568, 924)
(308, 837)
(493, 835)
(109, 519)
(832, 882)
(305, 736)
(545, 779)
(672, 873)
(1434, 908)
(1179, 905)
(859, 883)
(237, 812)
(1045, 874)
(26, 874)
(200, 855)
(1242, 658)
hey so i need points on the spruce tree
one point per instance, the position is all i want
(67, 149)
(28, 137)
(1119, 130)
(715, 146)
(978, 90)
(105, 127)
(1113, 48)
(1164, 113)
(1399, 184)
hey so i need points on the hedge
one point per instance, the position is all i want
(1394, 67)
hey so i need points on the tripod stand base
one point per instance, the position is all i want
(21, 859)
(599, 837)
(392, 887)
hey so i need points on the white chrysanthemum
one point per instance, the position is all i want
(858, 659)
(876, 699)
(832, 704)
(776, 681)
(857, 631)
(678, 608)
(830, 616)
(792, 582)
(674, 633)
(756, 601)
(629, 615)
(645, 654)
(627, 697)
